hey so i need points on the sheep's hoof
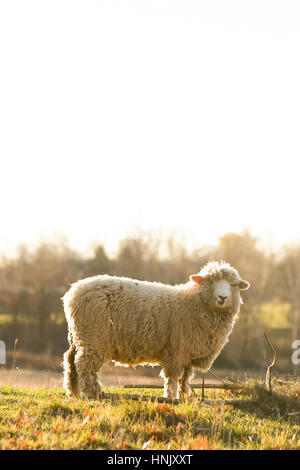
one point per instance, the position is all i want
(184, 395)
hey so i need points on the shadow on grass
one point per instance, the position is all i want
(283, 402)
(282, 405)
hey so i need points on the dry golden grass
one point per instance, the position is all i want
(43, 418)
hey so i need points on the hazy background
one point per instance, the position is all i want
(154, 127)
(174, 115)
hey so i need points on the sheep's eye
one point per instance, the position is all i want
(234, 285)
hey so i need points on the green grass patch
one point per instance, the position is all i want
(276, 314)
(47, 419)
(5, 318)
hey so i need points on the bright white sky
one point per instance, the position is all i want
(165, 115)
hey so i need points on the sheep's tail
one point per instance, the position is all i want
(70, 382)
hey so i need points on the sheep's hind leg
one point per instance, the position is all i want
(87, 364)
(70, 374)
(184, 389)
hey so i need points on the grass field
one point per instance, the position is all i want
(40, 418)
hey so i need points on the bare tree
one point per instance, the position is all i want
(32, 283)
(288, 275)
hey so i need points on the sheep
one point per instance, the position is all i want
(135, 322)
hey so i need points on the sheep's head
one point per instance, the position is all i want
(220, 284)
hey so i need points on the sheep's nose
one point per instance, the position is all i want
(222, 299)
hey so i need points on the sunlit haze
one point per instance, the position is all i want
(165, 116)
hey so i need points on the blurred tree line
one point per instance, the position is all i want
(33, 282)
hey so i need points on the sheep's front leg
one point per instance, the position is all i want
(170, 376)
(184, 389)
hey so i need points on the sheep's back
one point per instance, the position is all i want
(135, 314)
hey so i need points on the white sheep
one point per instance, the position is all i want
(134, 322)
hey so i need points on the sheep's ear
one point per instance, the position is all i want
(244, 285)
(196, 278)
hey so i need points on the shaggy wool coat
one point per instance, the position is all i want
(137, 322)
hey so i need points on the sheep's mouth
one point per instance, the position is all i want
(222, 304)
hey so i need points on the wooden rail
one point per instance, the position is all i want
(176, 401)
(197, 385)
